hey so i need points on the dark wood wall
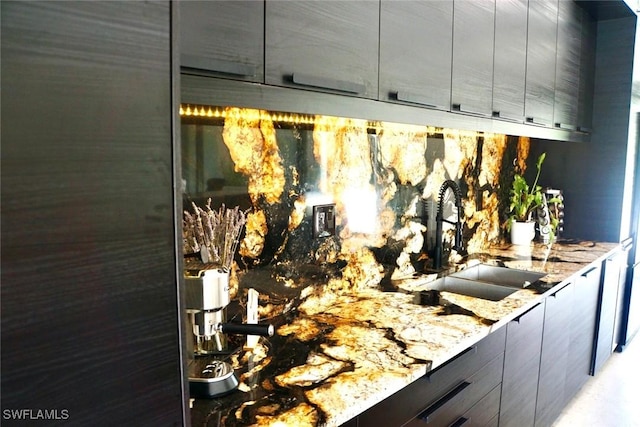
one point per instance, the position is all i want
(90, 319)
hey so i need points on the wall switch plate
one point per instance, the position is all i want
(324, 220)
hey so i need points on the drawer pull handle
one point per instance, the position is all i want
(517, 319)
(589, 271)
(325, 83)
(424, 415)
(535, 121)
(565, 126)
(459, 108)
(411, 98)
(217, 65)
(508, 117)
(460, 421)
(470, 350)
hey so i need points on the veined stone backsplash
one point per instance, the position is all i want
(380, 176)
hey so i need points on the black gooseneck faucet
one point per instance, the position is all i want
(437, 256)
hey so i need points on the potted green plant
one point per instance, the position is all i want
(524, 200)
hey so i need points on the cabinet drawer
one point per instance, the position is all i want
(460, 402)
(483, 413)
(409, 402)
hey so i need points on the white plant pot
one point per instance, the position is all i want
(522, 233)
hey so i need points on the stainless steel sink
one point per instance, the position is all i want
(470, 288)
(501, 276)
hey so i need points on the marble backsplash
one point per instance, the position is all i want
(381, 177)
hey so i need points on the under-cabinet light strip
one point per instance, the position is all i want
(206, 111)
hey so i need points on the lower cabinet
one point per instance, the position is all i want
(521, 368)
(556, 336)
(570, 327)
(610, 309)
(583, 328)
(522, 374)
(466, 388)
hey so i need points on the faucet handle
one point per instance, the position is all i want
(458, 242)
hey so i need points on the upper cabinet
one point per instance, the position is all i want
(415, 52)
(565, 114)
(587, 71)
(323, 45)
(223, 38)
(523, 61)
(472, 69)
(541, 62)
(510, 59)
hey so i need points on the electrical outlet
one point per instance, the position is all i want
(324, 220)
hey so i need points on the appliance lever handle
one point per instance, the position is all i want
(262, 329)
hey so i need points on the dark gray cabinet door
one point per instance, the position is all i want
(583, 327)
(606, 339)
(623, 263)
(541, 62)
(521, 368)
(565, 113)
(472, 68)
(510, 59)
(415, 52)
(90, 320)
(587, 71)
(323, 45)
(556, 337)
(225, 38)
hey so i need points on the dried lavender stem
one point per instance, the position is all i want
(216, 231)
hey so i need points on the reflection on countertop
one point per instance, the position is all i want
(335, 355)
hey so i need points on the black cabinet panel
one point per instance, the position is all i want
(541, 62)
(521, 367)
(587, 71)
(472, 69)
(623, 262)
(89, 272)
(327, 46)
(608, 308)
(223, 37)
(556, 338)
(510, 59)
(569, 46)
(415, 52)
(583, 326)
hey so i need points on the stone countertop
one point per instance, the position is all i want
(334, 356)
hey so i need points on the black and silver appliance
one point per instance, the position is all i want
(207, 298)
